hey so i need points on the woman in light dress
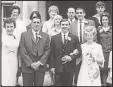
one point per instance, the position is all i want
(56, 29)
(92, 58)
(53, 10)
(9, 53)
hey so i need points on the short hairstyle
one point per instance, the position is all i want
(8, 21)
(108, 16)
(100, 3)
(53, 8)
(64, 20)
(58, 16)
(90, 29)
(80, 8)
(70, 8)
(37, 15)
(15, 7)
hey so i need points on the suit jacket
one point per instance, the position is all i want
(74, 30)
(32, 51)
(58, 50)
(28, 27)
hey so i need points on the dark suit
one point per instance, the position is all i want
(32, 51)
(64, 72)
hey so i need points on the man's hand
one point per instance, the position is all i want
(52, 70)
(35, 65)
(66, 59)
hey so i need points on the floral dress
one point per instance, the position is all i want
(89, 74)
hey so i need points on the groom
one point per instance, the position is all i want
(65, 49)
(34, 51)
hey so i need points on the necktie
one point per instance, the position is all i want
(80, 31)
(36, 37)
(64, 39)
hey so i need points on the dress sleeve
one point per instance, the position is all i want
(100, 56)
(44, 28)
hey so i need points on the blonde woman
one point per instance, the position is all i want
(92, 58)
(56, 29)
(53, 10)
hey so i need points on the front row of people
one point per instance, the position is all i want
(62, 50)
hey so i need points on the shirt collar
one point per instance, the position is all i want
(65, 34)
(72, 19)
(82, 20)
(34, 32)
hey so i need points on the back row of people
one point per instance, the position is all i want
(53, 26)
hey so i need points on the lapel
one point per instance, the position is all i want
(67, 42)
(60, 38)
(32, 37)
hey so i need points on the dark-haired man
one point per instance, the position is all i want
(34, 51)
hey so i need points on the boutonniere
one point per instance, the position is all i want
(69, 38)
(86, 22)
(39, 36)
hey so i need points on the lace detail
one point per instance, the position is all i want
(93, 71)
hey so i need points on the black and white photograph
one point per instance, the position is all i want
(56, 43)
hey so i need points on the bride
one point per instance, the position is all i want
(92, 58)
(9, 53)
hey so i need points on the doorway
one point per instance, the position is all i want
(89, 7)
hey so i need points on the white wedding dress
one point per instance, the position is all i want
(89, 74)
(9, 59)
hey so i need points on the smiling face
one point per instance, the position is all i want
(9, 28)
(15, 13)
(89, 37)
(65, 26)
(80, 14)
(36, 24)
(52, 13)
(105, 20)
(71, 13)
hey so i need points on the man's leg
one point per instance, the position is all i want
(39, 78)
(58, 79)
(67, 78)
(28, 79)
(77, 73)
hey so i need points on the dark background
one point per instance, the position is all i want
(89, 7)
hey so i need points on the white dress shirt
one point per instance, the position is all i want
(34, 34)
(82, 28)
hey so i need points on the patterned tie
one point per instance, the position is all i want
(80, 31)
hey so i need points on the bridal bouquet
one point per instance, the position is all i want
(93, 69)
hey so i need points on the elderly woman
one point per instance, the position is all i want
(56, 29)
(92, 58)
(9, 53)
(53, 10)
(105, 39)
